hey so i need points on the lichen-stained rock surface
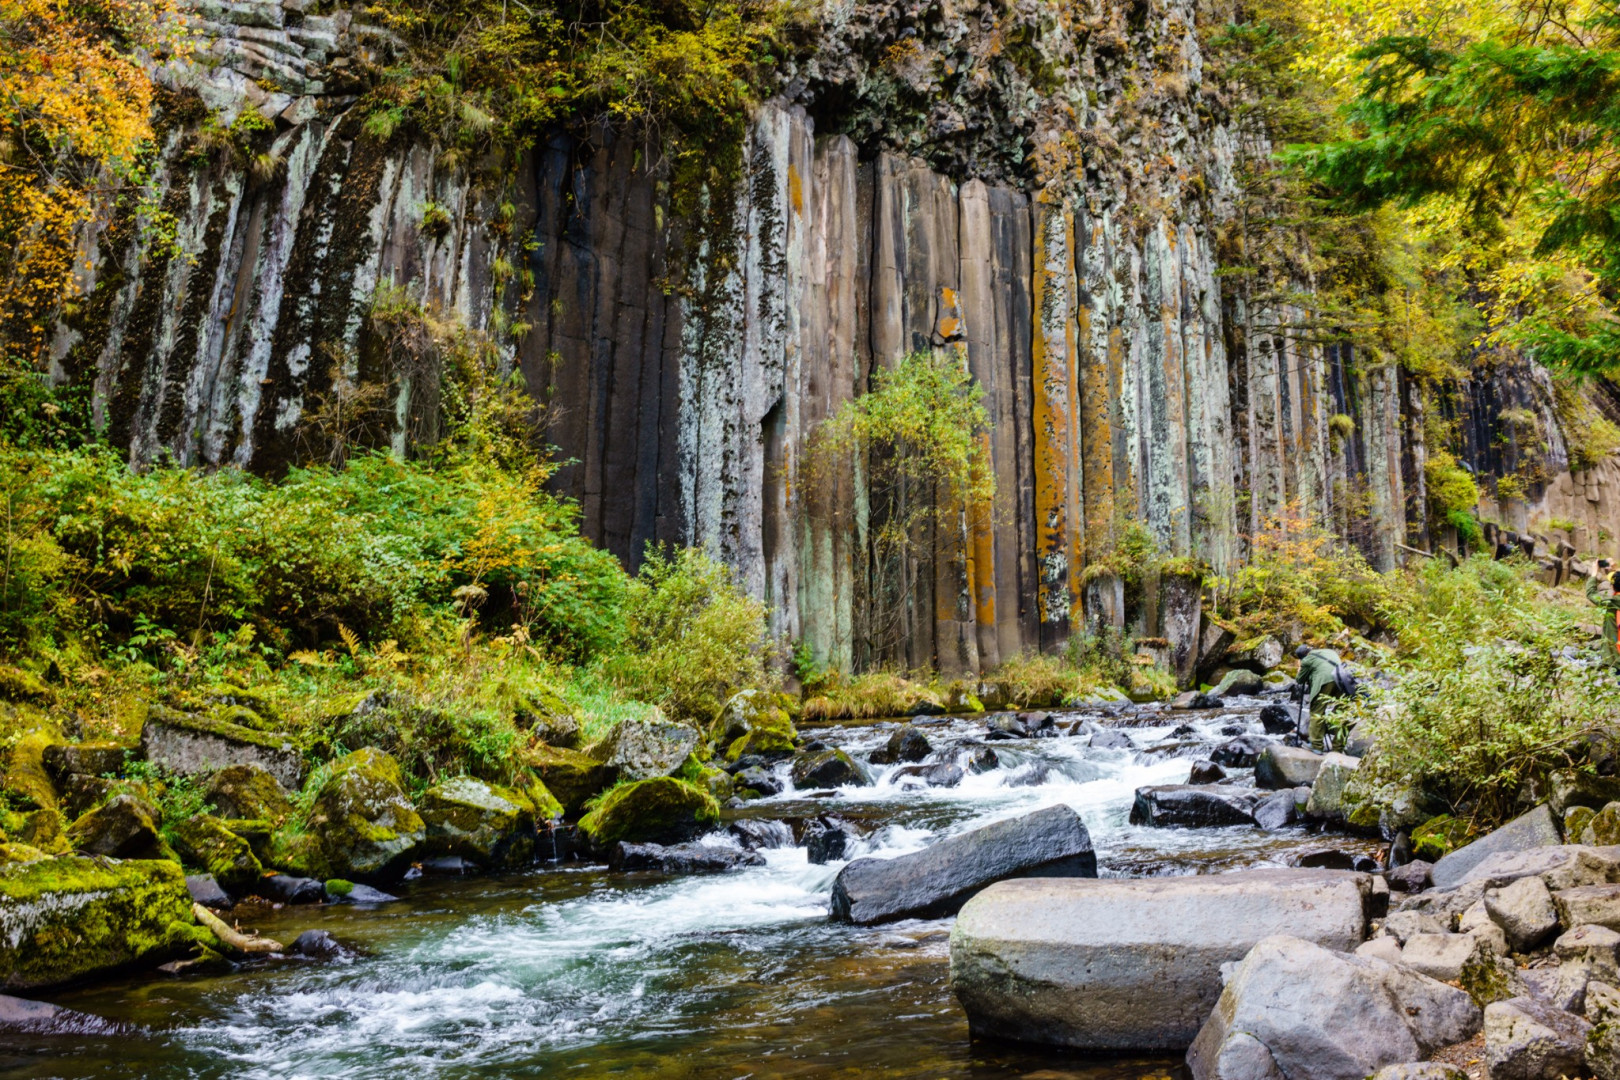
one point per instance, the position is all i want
(487, 824)
(68, 918)
(191, 743)
(660, 810)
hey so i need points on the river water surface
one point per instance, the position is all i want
(573, 971)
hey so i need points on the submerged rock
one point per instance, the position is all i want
(40, 1018)
(1295, 1009)
(339, 891)
(1132, 964)
(317, 945)
(1193, 806)
(659, 810)
(69, 918)
(361, 826)
(191, 743)
(690, 858)
(756, 834)
(828, 839)
(941, 878)
(290, 889)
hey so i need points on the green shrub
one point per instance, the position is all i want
(692, 637)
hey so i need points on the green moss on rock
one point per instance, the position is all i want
(1576, 819)
(17, 684)
(27, 782)
(127, 827)
(19, 853)
(1604, 828)
(571, 776)
(660, 809)
(66, 919)
(1439, 837)
(360, 824)
(756, 722)
(205, 842)
(43, 829)
(188, 743)
(248, 791)
(492, 826)
(549, 716)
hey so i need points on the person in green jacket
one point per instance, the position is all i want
(1321, 674)
(1611, 610)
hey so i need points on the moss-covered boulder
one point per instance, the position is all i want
(232, 696)
(490, 825)
(360, 826)
(247, 791)
(829, 769)
(641, 748)
(42, 829)
(571, 776)
(660, 810)
(1576, 819)
(19, 853)
(27, 781)
(192, 743)
(756, 722)
(1604, 828)
(206, 843)
(18, 684)
(125, 828)
(1439, 837)
(65, 919)
(85, 759)
(1371, 800)
(549, 717)
(717, 782)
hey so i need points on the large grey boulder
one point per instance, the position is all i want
(1132, 964)
(1296, 1011)
(1530, 1039)
(1193, 806)
(1327, 791)
(1440, 956)
(1596, 905)
(939, 879)
(1280, 766)
(642, 748)
(189, 744)
(1531, 830)
(1560, 866)
(1525, 912)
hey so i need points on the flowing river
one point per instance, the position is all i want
(574, 971)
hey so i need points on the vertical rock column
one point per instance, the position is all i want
(1060, 531)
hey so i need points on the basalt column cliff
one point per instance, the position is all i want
(1041, 192)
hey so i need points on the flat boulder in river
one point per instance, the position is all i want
(1194, 806)
(938, 880)
(1132, 964)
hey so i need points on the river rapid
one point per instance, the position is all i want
(570, 970)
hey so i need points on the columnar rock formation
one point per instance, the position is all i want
(1123, 379)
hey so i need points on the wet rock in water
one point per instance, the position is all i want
(70, 918)
(756, 783)
(1412, 877)
(747, 761)
(1238, 682)
(828, 839)
(1181, 731)
(289, 889)
(1295, 1009)
(1531, 830)
(757, 834)
(449, 866)
(938, 880)
(206, 891)
(642, 748)
(1195, 700)
(1192, 806)
(692, 858)
(360, 827)
(191, 743)
(1239, 753)
(940, 775)
(907, 744)
(983, 759)
(662, 810)
(1032, 775)
(1206, 772)
(1280, 767)
(1524, 910)
(493, 826)
(993, 735)
(247, 792)
(317, 945)
(339, 891)
(41, 1018)
(1112, 739)
(125, 828)
(1277, 719)
(1276, 811)
(1335, 859)
(1007, 724)
(1529, 1039)
(829, 769)
(1047, 961)
(205, 841)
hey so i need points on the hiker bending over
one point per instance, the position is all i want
(1611, 610)
(1321, 674)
